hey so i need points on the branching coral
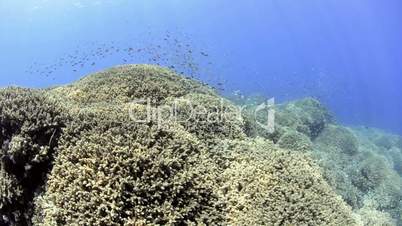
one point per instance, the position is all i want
(399, 143)
(293, 140)
(131, 83)
(395, 156)
(371, 173)
(119, 175)
(209, 117)
(30, 126)
(112, 170)
(140, 145)
(338, 139)
(10, 191)
(385, 141)
(265, 185)
(371, 216)
(307, 116)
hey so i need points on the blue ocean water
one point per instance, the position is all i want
(347, 53)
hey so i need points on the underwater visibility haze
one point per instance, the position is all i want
(173, 112)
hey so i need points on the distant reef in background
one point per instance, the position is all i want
(106, 150)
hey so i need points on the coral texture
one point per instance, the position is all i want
(141, 145)
(30, 127)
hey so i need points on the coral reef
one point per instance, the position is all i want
(10, 192)
(116, 176)
(384, 142)
(338, 139)
(360, 164)
(306, 116)
(371, 173)
(295, 141)
(395, 157)
(360, 171)
(130, 83)
(369, 216)
(30, 127)
(265, 185)
(141, 145)
(209, 117)
(399, 143)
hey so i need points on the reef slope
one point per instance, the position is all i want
(107, 150)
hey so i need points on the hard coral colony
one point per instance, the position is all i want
(73, 155)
